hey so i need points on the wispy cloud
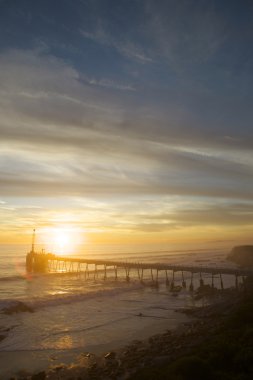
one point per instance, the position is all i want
(104, 82)
(185, 34)
(127, 48)
(55, 126)
(204, 214)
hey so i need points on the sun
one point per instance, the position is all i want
(62, 240)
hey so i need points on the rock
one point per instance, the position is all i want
(39, 376)
(110, 355)
(86, 355)
(58, 367)
(137, 342)
(23, 374)
(18, 307)
(53, 357)
(242, 255)
(160, 360)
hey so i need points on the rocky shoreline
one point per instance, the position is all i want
(156, 351)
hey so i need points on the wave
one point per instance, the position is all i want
(93, 327)
(24, 276)
(12, 278)
(57, 300)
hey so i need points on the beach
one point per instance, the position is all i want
(57, 317)
(155, 352)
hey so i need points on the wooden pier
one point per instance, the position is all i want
(47, 262)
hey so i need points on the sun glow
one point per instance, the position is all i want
(61, 240)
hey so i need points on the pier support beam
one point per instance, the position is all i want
(183, 281)
(221, 282)
(127, 269)
(201, 281)
(172, 284)
(142, 275)
(86, 273)
(156, 280)
(191, 287)
(167, 279)
(95, 272)
(236, 281)
(152, 277)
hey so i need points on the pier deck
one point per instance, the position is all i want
(157, 266)
(47, 262)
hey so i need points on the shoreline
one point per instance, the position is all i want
(157, 350)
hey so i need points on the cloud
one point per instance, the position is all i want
(60, 135)
(110, 84)
(185, 34)
(204, 215)
(126, 48)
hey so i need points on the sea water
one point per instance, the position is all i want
(74, 313)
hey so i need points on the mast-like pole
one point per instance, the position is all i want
(33, 240)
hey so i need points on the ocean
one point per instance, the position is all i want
(73, 314)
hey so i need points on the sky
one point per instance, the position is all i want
(127, 121)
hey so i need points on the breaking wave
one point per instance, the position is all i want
(63, 299)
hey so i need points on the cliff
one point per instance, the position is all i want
(242, 255)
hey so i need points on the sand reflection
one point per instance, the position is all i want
(64, 342)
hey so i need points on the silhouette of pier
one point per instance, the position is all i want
(48, 262)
